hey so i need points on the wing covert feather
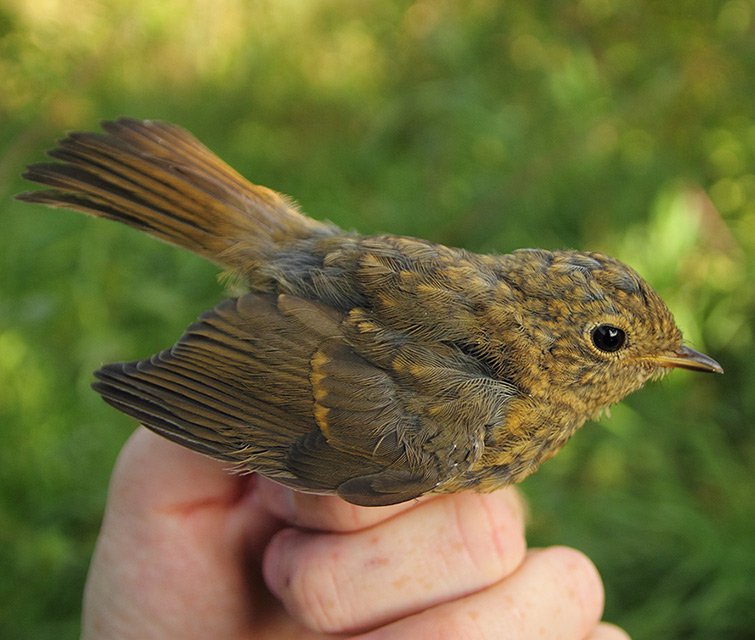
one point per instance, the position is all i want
(277, 385)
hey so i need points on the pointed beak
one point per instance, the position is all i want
(687, 358)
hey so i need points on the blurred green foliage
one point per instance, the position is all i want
(609, 125)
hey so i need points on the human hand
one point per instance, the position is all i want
(188, 551)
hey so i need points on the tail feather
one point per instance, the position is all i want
(158, 178)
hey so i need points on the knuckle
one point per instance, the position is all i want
(317, 596)
(457, 625)
(585, 584)
(607, 631)
(488, 536)
(582, 568)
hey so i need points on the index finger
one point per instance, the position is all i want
(323, 513)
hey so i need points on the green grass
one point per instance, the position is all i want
(618, 127)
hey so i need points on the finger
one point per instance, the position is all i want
(154, 474)
(440, 550)
(323, 513)
(607, 631)
(555, 594)
(164, 485)
(173, 539)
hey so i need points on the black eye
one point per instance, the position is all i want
(608, 338)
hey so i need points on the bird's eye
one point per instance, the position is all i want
(608, 338)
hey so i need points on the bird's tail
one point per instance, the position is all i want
(157, 177)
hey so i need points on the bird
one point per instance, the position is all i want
(378, 368)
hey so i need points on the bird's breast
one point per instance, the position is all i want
(531, 433)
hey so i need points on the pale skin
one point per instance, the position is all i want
(189, 551)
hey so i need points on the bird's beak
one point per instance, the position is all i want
(687, 358)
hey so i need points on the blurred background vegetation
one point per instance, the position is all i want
(610, 125)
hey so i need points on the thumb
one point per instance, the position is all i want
(155, 475)
(175, 539)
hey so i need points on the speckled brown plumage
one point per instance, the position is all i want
(379, 368)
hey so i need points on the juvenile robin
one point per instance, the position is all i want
(379, 368)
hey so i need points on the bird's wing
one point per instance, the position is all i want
(272, 383)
